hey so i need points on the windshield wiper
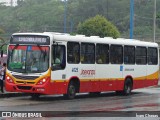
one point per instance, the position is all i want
(44, 52)
(40, 48)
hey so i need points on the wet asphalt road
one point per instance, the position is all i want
(107, 105)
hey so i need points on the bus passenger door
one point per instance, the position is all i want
(58, 69)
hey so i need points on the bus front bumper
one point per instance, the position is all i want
(41, 89)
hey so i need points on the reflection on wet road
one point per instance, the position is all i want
(140, 100)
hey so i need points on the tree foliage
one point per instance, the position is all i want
(48, 15)
(3, 41)
(1, 32)
(98, 26)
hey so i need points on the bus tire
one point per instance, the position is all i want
(71, 92)
(35, 96)
(127, 87)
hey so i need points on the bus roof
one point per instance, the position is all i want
(92, 39)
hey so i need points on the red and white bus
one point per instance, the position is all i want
(55, 63)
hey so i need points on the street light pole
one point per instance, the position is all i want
(65, 14)
(12, 3)
(131, 18)
(154, 22)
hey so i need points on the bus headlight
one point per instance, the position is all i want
(41, 82)
(9, 79)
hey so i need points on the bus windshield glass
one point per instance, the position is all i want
(28, 58)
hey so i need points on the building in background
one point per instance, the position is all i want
(9, 2)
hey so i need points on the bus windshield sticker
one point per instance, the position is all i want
(74, 69)
(121, 68)
(29, 48)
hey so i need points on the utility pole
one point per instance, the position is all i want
(107, 9)
(71, 30)
(12, 3)
(154, 22)
(65, 15)
(131, 18)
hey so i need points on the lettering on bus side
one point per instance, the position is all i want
(129, 69)
(88, 72)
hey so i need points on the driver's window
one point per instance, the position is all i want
(58, 57)
(15, 59)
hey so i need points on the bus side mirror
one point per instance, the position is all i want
(1, 53)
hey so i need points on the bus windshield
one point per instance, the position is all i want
(28, 58)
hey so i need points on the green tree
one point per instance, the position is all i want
(2, 41)
(1, 38)
(98, 26)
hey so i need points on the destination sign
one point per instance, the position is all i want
(30, 39)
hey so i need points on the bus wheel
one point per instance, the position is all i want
(35, 96)
(127, 87)
(71, 92)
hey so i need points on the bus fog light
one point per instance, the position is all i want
(10, 81)
(40, 83)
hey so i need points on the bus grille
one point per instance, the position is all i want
(22, 82)
(26, 77)
(24, 87)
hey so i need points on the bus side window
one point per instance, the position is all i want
(87, 53)
(82, 58)
(102, 53)
(73, 52)
(129, 54)
(116, 54)
(141, 55)
(152, 56)
(125, 59)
